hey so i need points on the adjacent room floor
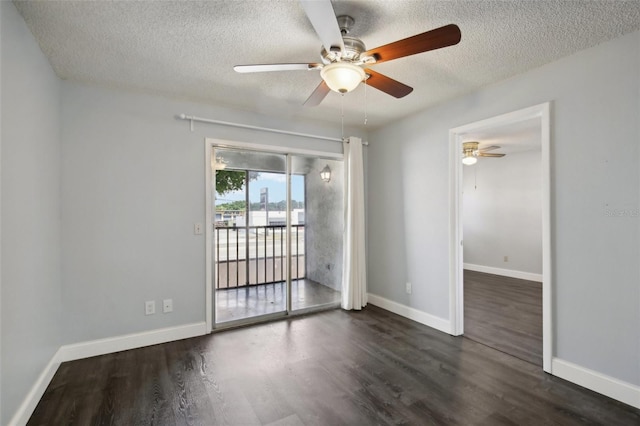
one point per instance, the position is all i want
(504, 313)
(332, 368)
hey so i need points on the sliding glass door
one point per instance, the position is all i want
(277, 240)
(250, 244)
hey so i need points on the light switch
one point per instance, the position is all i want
(197, 228)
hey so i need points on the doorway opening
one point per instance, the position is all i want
(534, 119)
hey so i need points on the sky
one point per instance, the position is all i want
(275, 182)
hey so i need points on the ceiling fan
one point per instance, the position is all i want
(471, 152)
(345, 59)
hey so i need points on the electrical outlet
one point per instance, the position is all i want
(167, 305)
(506, 258)
(197, 229)
(149, 307)
(408, 288)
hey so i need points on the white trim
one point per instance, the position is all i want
(597, 382)
(29, 403)
(521, 275)
(547, 293)
(130, 341)
(456, 288)
(414, 314)
(208, 236)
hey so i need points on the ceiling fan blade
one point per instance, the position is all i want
(489, 148)
(318, 95)
(323, 19)
(276, 67)
(482, 154)
(431, 40)
(387, 84)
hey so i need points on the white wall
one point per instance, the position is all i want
(30, 216)
(502, 212)
(594, 160)
(132, 188)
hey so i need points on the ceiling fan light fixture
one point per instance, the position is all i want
(470, 153)
(342, 77)
(469, 160)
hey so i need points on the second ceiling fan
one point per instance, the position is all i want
(345, 59)
(471, 150)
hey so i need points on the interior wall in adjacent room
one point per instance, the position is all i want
(502, 212)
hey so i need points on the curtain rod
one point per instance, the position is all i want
(264, 129)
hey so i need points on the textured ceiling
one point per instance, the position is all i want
(187, 49)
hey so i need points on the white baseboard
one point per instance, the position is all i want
(530, 276)
(29, 403)
(597, 382)
(130, 341)
(99, 347)
(411, 313)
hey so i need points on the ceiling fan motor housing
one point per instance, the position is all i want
(470, 148)
(353, 47)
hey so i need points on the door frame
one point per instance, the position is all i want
(209, 144)
(456, 279)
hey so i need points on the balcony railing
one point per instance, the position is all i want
(258, 259)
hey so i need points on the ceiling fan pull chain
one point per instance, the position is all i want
(365, 101)
(475, 177)
(342, 112)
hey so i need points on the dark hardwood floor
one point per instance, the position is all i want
(504, 313)
(332, 368)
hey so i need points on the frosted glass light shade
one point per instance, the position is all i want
(469, 160)
(342, 77)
